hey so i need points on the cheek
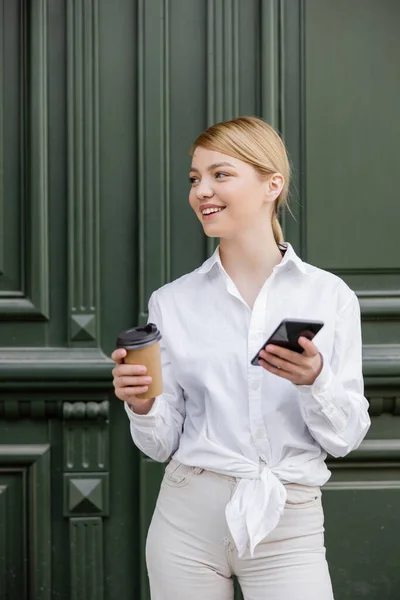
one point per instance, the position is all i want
(192, 199)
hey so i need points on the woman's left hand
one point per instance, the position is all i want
(300, 369)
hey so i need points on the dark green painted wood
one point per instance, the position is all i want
(12, 536)
(99, 103)
(31, 463)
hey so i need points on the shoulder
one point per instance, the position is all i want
(332, 284)
(182, 287)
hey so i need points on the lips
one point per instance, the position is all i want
(210, 209)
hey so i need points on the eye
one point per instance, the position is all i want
(193, 180)
(221, 175)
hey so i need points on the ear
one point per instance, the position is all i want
(273, 186)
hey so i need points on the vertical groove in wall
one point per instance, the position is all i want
(165, 143)
(292, 114)
(27, 293)
(154, 133)
(223, 76)
(3, 542)
(40, 186)
(1, 138)
(83, 170)
(269, 61)
(39, 535)
(270, 64)
(25, 114)
(302, 132)
(141, 159)
(223, 67)
(86, 558)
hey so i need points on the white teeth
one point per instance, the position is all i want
(209, 211)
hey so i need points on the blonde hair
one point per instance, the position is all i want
(253, 141)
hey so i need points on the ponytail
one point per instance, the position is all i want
(277, 229)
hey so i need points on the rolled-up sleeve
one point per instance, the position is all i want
(334, 407)
(157, 433)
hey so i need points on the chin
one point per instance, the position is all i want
(213, 232)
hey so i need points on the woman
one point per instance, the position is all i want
(241, 495)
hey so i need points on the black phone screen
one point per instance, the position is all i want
(287, 334)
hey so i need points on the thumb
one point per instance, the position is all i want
(309, 348)
(118, 356)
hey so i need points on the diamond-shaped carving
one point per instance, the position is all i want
(83, 328)
(85, 495)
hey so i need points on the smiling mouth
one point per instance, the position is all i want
(210, 211)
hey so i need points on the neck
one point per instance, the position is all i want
(252, 255)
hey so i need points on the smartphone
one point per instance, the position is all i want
(287, 334)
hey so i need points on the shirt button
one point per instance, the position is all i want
(255, 384)
(260, 434)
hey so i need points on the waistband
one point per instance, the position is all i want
(257, 503)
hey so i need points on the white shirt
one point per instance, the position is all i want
(220, 413)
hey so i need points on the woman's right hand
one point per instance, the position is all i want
(130, 380)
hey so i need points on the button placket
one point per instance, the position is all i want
(255, 339)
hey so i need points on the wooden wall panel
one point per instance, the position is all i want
(24, 282)
(99, 104)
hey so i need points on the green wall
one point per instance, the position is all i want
(99, 103)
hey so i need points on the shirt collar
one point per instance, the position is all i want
(210, 262)
(290, 258)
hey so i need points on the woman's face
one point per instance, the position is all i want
(228, 195)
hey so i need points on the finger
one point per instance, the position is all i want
(279, 372)
(289, 355)
(130, 393)
(118, 355)
(279, 363)
(130, 370)
(310, 348)
(123, 382)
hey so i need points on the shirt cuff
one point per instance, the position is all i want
(321, 396)
(144, 421)
(322, 383)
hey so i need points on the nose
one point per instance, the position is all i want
(204, 190)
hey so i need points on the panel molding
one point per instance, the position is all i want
(54, 367)
(90, 410)
(384, 404)
(339, 486)
(1, 138)
(374, 465)
(36, 459)
(86, 493)
(86, 446)
(83, 172)
(153, 147)
(34, 368)
(369, 452)
(293, 116)
(223, 76)
(33, 303)
(3, 530)
(378, 305)
(375, 304)
(381, 360)
(272, 88)
(223, 72)
(39, 409)
(86, 558)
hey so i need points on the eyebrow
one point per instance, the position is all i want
(214, 166)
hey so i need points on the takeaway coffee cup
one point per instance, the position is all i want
(143, 348)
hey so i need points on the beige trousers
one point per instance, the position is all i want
(191, 555)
